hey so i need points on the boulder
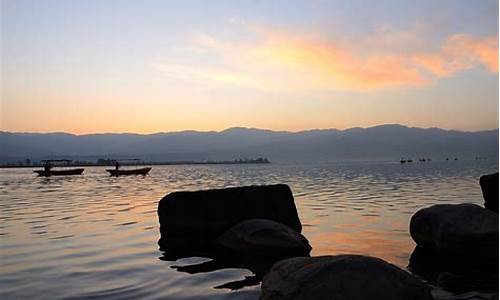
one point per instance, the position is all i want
(489, 187)
(460, 284)
(342, 277)
(452, 274)
(209, 213)
(458, 230)
(264, 238)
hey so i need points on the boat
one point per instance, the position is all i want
(77, 171)
(140, 171)
(48, 164)
(119, 172)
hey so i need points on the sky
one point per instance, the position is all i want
(155, 66)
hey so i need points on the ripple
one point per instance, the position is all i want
(96, 236)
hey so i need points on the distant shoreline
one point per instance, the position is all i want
(164, 163)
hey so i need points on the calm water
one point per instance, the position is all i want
(95, 236)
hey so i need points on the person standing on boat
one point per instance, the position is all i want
(46, 167)
(117, 165)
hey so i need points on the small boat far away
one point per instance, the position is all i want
(140, 171)
(48, 164)
(119, 172)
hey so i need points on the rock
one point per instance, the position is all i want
(264, 238)
(454, 275)
(462, 231)
(461, 284)
(342, 277)
(207, 214)
(489, 187)
(440, 294)
(430, 264)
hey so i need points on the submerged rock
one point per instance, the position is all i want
(462, 231)
(342, 277)
(207, 214)
(489, 187)
(265, 238)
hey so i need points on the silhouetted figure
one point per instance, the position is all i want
(117, 165)
(46, 167)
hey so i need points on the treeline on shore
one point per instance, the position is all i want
(109, 162)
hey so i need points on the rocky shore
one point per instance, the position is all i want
(258, 228)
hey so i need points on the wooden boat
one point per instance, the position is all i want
(78, 171)
(140, 171)
(48, 164)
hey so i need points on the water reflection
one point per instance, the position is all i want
(217, 258)
(96, 236)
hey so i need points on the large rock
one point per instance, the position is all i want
(489, 187)
(434, 267)
(207, 214)
(342, 277)
(264, 238)
(463, 231)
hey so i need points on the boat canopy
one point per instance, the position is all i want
(56, 160)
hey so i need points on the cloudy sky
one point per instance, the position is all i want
(152, 66)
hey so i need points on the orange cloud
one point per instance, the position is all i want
(330, 66)
(461, 52)
(279, 61)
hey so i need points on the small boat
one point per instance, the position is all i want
(77, 171)
(140, 171)
(50, 163)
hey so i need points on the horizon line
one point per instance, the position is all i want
(248, 128)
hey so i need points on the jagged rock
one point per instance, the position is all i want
(265, 238)
(342, 277)
(489, 187)
(209, 213)
(464, 231)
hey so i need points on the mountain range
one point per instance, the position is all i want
(384, 142)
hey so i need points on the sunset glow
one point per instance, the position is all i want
(124, 67)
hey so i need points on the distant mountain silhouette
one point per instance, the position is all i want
(384, 142)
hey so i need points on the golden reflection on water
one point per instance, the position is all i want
(96, 236)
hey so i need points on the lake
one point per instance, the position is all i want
(95, 236)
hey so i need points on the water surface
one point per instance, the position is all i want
(95, 236)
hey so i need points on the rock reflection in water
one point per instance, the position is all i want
(176, 248)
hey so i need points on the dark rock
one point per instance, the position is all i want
(260, 237)
(342, 277)
(440, 294)
(207, 214)
(460, 284)
(435, 267)
(462, 231)
(489, 187)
